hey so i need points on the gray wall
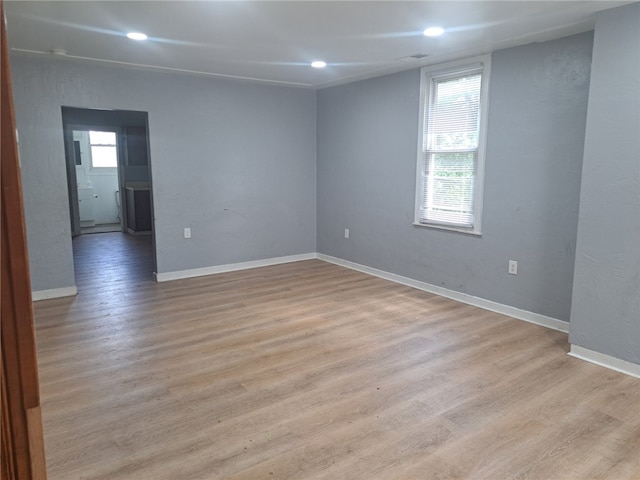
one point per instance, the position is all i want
(234, 161)
(605, 316)
(367, 149)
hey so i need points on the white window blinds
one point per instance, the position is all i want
(447, 192)
(103, 149)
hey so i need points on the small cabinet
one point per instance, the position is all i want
(85, 207)
(138, 210)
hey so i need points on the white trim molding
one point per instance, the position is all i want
(514, 312)
(54, 293)
(231, 267)
(604, 360)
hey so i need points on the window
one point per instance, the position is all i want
(103, 149)
(451, 150)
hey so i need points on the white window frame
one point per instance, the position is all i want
(102, 170)
(428, 76)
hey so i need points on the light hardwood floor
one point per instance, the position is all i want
(312, 371)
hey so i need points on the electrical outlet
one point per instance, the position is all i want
(513, 267)
(346, 233)
(187, 232)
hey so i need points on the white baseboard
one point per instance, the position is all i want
(54, 293)
(232, 267)
(577, 351)
(604, 360)
(514, 312)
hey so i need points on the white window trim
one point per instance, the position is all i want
(426, 76)
(102, 170)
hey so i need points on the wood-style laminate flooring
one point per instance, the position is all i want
(312, 371)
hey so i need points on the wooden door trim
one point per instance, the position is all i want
(22, 437)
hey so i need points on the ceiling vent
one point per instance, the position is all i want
(412, 58)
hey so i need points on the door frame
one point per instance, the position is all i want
(72, 179)
(99, 119)
(22, 453)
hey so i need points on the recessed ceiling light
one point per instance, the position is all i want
(318, 64)
(433, 32)
(136, 36)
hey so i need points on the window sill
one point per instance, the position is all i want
(476, 233)
(103, 171)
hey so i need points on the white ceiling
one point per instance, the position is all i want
(275, 41)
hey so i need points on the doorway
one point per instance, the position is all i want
(96, 163)
(109, 174)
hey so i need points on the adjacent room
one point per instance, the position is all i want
(332, 239)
